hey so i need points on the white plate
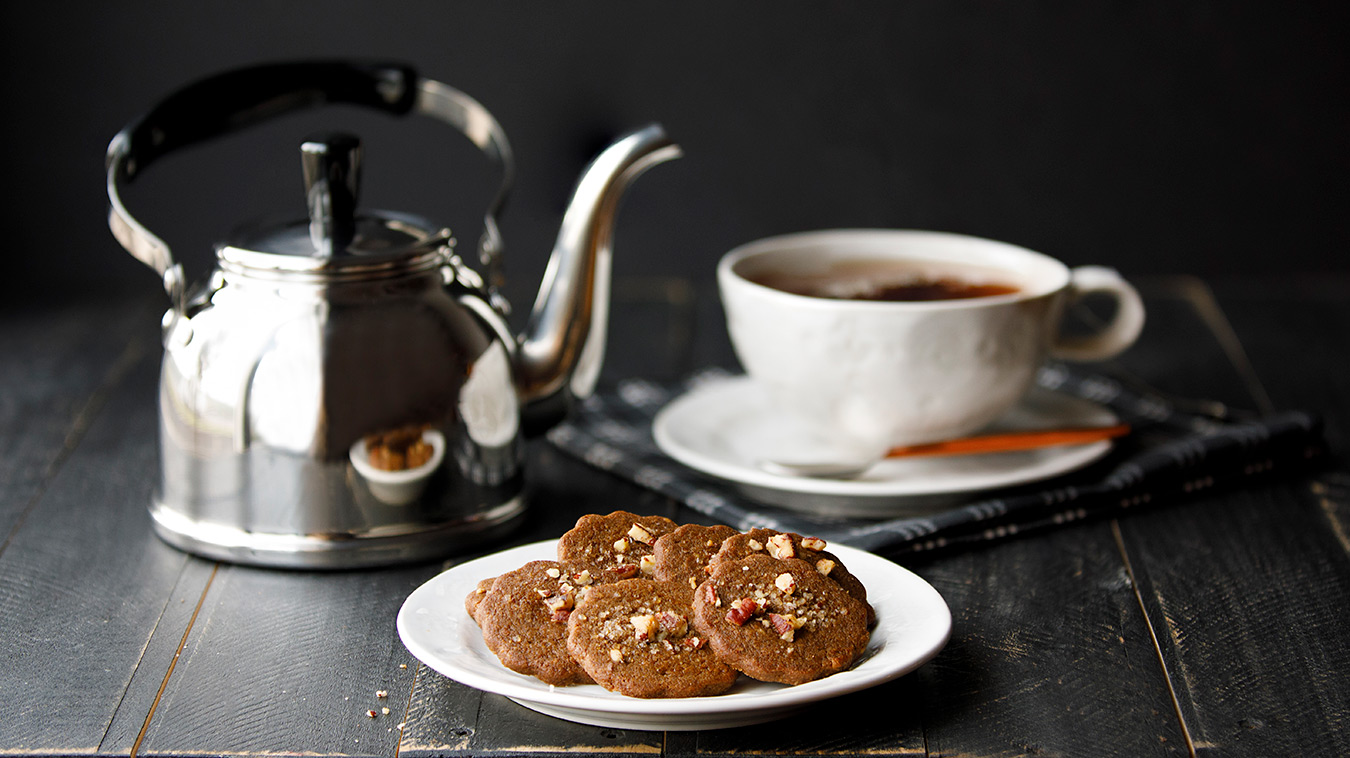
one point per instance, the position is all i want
(913, 623)
(725, 426)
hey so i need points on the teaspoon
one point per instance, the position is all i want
(988, 443)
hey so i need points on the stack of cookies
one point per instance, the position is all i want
(643, 606)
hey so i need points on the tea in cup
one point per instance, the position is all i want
(877, 338)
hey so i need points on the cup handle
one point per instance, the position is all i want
(1115, 336)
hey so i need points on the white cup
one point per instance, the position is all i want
(870, 374)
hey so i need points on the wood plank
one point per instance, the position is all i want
(85, 587)
(1179, 353)
(1049, 654)
(505, 728)
(157, 662)
(1295, 335)
(54, 363)
(442, 716)
(1247, 631)
(1242, 588)
(290, 662)
(882, 721)
(1247, 591)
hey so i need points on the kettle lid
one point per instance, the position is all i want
(334, 236)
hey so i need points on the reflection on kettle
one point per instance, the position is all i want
(402, 483)
(316, 338)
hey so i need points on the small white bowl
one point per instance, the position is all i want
(398, 487)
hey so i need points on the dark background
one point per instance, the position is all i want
(1156, 137)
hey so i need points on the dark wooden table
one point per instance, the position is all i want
(1214, 626)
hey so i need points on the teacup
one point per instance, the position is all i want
(873, 373)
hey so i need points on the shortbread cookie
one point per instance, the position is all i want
(779, 619)
(792, 545)
(475, 596)
(524, 622)
(682, 556)
(634, 637)
(613, 547)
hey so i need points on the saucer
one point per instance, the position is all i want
(723, 427)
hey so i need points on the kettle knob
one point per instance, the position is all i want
(332, 167)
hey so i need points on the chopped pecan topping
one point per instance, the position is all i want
(640, 534)
(813, 543)
(672, 624)
(785, 582)
(785, 626)
(644, 627)
(780, 546)
(825, 566)
(560, 601)
(622, 571)
(709, 589)
(742, 610)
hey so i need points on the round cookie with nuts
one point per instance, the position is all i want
(476, 595)
(615, 546)
(634, 637)
(779, 619)
(524, 621)
(792, 545)
(682, 555)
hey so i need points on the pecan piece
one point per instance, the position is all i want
(644, 627)
(672, 624)
(640, 534)
(785, 626)
(780, 546)
(742, 610)
(622, 571)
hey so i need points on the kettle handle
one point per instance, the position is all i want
(238, 99)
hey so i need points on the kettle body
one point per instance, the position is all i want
(343, 390)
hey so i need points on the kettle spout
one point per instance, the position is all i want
(563, 346)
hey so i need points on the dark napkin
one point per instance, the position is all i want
(1176, 449)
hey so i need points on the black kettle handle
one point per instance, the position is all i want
(240, 98)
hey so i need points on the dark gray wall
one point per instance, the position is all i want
(1156, 136)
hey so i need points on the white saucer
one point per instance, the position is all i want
(724, 427)
(913, 624)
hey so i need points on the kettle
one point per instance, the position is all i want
(343, 389)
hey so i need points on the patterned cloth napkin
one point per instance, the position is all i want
(1170, 454)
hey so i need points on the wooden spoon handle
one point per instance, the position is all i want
(998, 443)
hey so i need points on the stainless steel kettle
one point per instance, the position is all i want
(343, 389)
